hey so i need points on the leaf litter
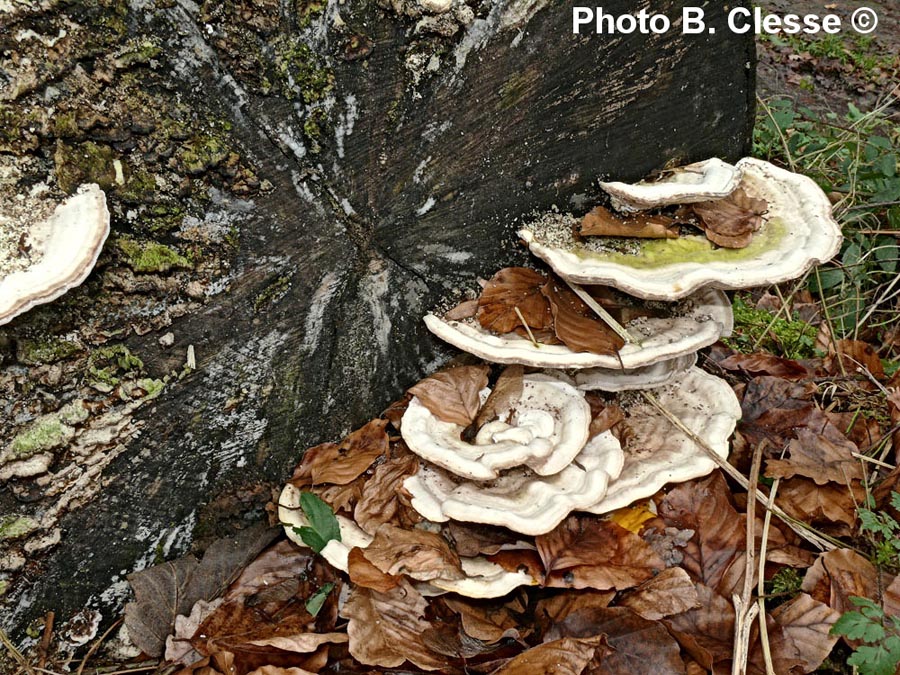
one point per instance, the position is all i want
(648, 589)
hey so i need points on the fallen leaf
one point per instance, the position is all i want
(837, 575)
(472, 539)
(417, 553)
(731, 222)
(633, 517)
(504, 396)
(509, 289)
(821, 505)
(637, 645)
(669, 592)
(162, 592)
(385, 629)
(364, 573)
(603, 222)
(276, 670)
(853, 355)
(576, 325)
(341, 463)
(178, 645)
(550, 611)
(568, 656)
(489, 620)
(800, 641)
(467, 309)
(586, 552)
(706, 632)
(453, 395)
(824, 457)
(383, 499)
(605, 416)
(763, 363)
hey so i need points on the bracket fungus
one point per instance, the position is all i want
(698, 182)
(696, 323)
(518, 499)
(797, 232)
(43, 257)
(547, 429)
(481, 578)
(656, 375)
(657, 453)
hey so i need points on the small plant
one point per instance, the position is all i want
(884, 533)
(880, 655)
(323, 526)
(758, 329)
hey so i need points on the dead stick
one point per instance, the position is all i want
(45, 639)
(617, 328)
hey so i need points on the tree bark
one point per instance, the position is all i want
(333, 171)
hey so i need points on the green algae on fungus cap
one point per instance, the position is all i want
(481, 578)
(656, 453)
(44, 254)
(695, 323)
(798, 232)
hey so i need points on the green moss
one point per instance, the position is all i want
(758, 329)
(306, 10)
(137, 52)
(299, 69)
(146, 257)
(655, 253)
(106, 364)
(202, 153)
(65, 125)
(84, 163)
(45, 433)
(272, 293)
(139, 188)
(163, 217)
(14, 527)
(313, 128)
(37, 351)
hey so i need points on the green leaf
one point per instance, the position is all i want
(895, 500)
(852, 625)
(826, 279)
(317, 599)
(323, 526)
(873, 660)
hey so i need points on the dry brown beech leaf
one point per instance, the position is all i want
(452, 395)
(473, 539)
(603, 222)
(508, 289)
(576, 325)
(637, 644)
(837, 575)
(419, 554)
(568, 656)
(364, 573)
(763, 363)
(341, 463)
(606, 416)
(799, 638)
(586, 552)
(386, 629)
(503, 397)
(731, 222)
(854, 354)
(706, 632)
(824, 457)
(669, 592)
(489, 620)
(831, 506)
(382, 499)
(467, 309)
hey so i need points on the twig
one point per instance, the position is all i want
(617, 328)
(96, 645)
(45, 639)
(527, 327)
(820, 541)
(760, 601)
(15, 653)
(872, 460)
(745, 610)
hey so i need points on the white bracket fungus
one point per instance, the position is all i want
(698, 182)
(657, 453)
(699, 322)
(483, 579)
(657, 375)
(520, 500)
(54, 254)
(547, 429)
(798, 232)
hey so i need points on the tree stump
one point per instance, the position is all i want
(293, 185)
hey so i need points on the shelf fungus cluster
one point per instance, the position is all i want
(590, 400)
(48, 249)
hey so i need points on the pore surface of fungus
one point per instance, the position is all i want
(798, 231)
(698, 322)
(698, 182)
(545, 431)
(519, 499)
(50, 252)
(657, 375)
(482, 578)
(658, 453)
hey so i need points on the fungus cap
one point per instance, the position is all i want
(658, 453)
(547, 429)
(798, 232)
(519, 499)
(698, 182)
(64, 249)
(647, 377)
(483, 579)
(704, 318)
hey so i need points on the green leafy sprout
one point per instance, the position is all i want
(323, 526)
(880, 655)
